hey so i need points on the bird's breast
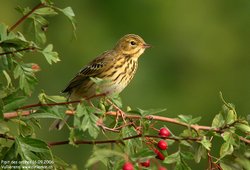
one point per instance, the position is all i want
(119, 75)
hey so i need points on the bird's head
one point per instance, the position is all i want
(132, 45)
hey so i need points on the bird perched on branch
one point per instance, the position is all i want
(115, 67)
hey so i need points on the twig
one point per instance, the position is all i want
(170, 120)
(60, 103)
(10, 115)
(25, 17)
(150, 117)
(6, 137)
(48, 104)
(50, 144)
(20, 50)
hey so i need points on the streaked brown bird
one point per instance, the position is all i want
(117, 66)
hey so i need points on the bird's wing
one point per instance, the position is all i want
(91, 70)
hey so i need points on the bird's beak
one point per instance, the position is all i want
(146, 45)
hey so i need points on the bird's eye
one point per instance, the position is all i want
(132, 42)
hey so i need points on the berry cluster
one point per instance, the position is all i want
(161, 146)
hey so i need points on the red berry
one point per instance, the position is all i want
(35, 67)
(159, 155)
(162, 168)
(146, 163)
(128, 166)
(164, 132)
(162, 145)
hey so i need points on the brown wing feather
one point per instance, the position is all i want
(91, 70)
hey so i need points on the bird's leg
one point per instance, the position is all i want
(90, 103)
(118, 111)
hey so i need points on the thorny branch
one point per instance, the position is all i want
(25, 17)
(20, 50)
(118, 140)
(77, 142)
(10, 115)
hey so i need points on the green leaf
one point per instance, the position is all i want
(243, 127)
(35, 28)
(13, 102)
(32, 149)
(116, 100)
(225, 166)
(3, 32)
(55, 112)
(149, 112)
(170, 142)
(200, 152)
(56, 99)
(11, 154)
(206, 143)
(89, 122)
(72, 136)
(26, 130)
(244, 162)
(228, 137)
(185, 118)
(27, 79)
(4, 128)
(195, 120)
(46, 11)
(173, 158)
(11, 39)
(1, 108)
(80, 110)
(18, 121)
(189, 119)
(35, 122)
(187, 155)
(144, 153)
(185, 143)
(51, 56)
(68, 12)
(40, 37)
(102, 155)
(7, 78)
(17, 71)
(45, 115)
(188, 133)
(59, 162)
(218, 121)
(226, 149)
(44, 98)
(182, 166)
(231, 117)
(131, 145)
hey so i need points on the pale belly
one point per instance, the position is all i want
(107, 87)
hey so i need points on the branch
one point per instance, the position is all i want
(170, 120)
(50, 144)
(6, 137)
(22, 112)
(10, 115)
(20, 50)
(48, 104)
(60, 103)
(25, 17)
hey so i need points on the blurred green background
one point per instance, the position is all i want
(199, 48)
